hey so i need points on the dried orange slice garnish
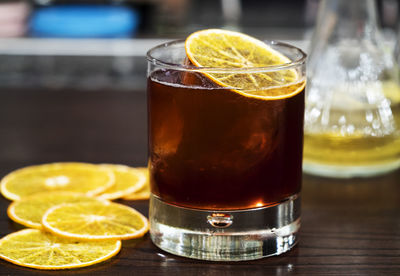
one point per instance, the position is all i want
(127, 181)
(29, 210)
(144, 192)
(68, 177)
(226, 49)
(98, 220)
(41, 250)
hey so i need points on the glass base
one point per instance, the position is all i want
(233, 235)
(349, 171)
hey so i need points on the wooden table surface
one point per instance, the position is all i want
(349, 227)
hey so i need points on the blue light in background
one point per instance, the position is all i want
(84, 21)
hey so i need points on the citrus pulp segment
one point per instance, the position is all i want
(41, 250)
(224, 49)
(95, 221)
(127, 181)
(72, 177)
(29, 210)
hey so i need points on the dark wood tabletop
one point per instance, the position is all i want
(349, 227)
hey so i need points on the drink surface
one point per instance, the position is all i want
(353, 132)
(212, 148)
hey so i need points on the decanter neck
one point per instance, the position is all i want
(348, 19)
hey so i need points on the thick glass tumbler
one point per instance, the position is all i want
(225, 164)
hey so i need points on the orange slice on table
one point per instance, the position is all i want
(69, 177)
(41, 250)
(127, 181)
(29, 210)
(100, 220)
(226, 49)
(144, 192)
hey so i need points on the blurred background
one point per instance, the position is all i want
(73, 72)
(100, 44)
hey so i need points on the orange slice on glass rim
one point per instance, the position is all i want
(217, 48)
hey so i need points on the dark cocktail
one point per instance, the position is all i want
(212, 148)
(225, 163)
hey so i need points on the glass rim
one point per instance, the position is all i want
(182, 67)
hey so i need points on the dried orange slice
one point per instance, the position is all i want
(29, 210)
(127, 180)
(98, 220)
(144, 192)
(41, 250)
(71, 177)
(226, 49)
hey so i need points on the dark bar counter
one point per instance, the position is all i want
(349, 226)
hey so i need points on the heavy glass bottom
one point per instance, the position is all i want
(225, 235)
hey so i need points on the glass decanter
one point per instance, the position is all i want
(352, 117)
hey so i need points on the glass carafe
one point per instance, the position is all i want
(352, 121)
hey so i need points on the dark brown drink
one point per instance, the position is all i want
(212, 148)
